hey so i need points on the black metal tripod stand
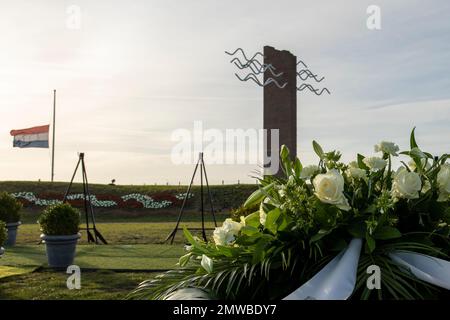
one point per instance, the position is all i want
(88, 208)
(200, 163)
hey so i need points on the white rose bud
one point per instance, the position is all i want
(426, 186)
(232, 226)
(375, 163)
(356, 173)
(387, 147)
(329, 188)
(406, 184)
(221, 237)
(308, 172)
(207, 263)
(227, 233)
(353, 164)
(443, 181)
(262, 217)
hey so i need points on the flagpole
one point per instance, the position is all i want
(53, 139)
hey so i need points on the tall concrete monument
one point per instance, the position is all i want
(280, 104)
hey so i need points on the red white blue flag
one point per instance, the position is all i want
(36, 137)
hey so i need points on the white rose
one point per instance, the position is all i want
(232, 226)
(308, 172)
(406, 184)
(443, 181)
(375, 163)
(329, 188)
(207, 263)
(356, 173)
(222, 237)
(387, 147)
(227, 233)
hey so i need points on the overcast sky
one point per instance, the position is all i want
(138, 70)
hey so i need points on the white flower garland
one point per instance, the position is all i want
(147, 201)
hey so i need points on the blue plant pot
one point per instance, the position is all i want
(60, 249)
(12, 233)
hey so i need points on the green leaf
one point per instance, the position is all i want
(319, 235)
(417, 153)
(184, 259)
(429, 155)
(257, 196)
(412, 140)
(361, 163)
(193, 242)
(318, 149)
(370, 243)
(226, 251)
(326, 214)
(286, 222)
(249, 230)
(284, 153)
(297, 168)
(252, 220)
(386, 233)
(285, 160)
(189, 237)
(271, 220)
(260, 251)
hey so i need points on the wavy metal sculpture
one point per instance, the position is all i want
(305, 74)
(304, 86)
(243, 54)
(309, 74)
(304, 65)
(255, 79)
(257, 68)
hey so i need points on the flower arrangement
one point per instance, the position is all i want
(311, 217)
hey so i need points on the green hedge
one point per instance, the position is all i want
(224, 196)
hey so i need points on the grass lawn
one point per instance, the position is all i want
(107, 272)
(135, 253)
(51, 285)
(151, 257)
(120, 232)
(135, 250)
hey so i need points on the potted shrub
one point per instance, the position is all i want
(3, 236)
(60, 225)
(10, 213)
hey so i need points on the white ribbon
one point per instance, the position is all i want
(336, 281)
(430, 269)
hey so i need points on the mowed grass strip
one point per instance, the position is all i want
(150, 257)
(51, 285)
(121, 232)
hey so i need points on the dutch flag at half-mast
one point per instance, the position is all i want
(36, 137)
